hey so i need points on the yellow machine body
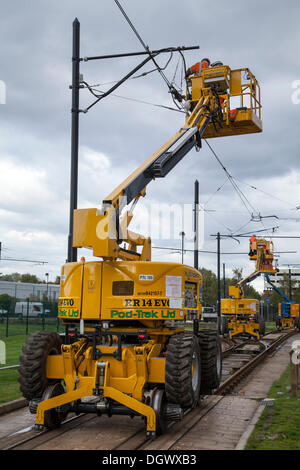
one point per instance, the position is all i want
(243, 313)
(243, 326)
(239, 306)
(290, 322)
(155, 297)
(118, 374)
(238, 85)
(294, 310)
(262, 251)
(138, 290)
(286, 323)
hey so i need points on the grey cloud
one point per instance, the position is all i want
(35, 51)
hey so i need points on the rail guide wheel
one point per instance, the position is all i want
(166, 413)
(54, 417)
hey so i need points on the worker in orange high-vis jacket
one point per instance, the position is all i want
(196, 68)
(252, 241)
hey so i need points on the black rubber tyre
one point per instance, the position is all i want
(211, 361)
(32, 370)
(183, 370)
(278, 325)
(224, 325)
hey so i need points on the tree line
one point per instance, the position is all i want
(27, 277)
(210, 286)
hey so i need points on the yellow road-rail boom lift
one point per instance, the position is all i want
(288, 311)
(125, 342)
(242, 315)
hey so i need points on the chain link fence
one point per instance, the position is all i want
(19, 317)
(270, 312)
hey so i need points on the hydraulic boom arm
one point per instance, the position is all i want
(208, 99)
(103, 230)
(286, 298)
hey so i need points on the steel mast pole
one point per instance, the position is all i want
(196, 242)
(72, 252)
(290, 284)
(196, 225)
(224, 282)
(218, 282)
(182, 234)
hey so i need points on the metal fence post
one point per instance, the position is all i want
(294, 379)
(43, 317)
(7, 317)
(27, 317)
(294, 368)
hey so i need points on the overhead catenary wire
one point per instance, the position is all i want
(247, 234)
(265, 192)
(241, 195)
(141, 41)
(190, 250)
(93, 89)
(217, 190)
(128, 76)
(244, 225)
(140, 75)
(172, 89)
(210, 252)
(218, 221)
(24, 260)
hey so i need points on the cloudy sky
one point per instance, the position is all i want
(117, 134)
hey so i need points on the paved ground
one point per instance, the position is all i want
(221, 428)
(16, 420)
(260, 381)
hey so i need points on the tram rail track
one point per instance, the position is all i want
(237, 353)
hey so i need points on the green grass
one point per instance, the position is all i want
(270, 326)
(19, 327)
(9, 385)
(279, 425)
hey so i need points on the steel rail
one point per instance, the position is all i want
(226, 386)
